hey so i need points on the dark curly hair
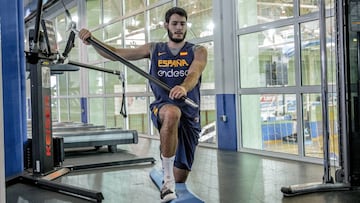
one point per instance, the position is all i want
(175, 10)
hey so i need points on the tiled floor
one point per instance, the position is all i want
(217, 177)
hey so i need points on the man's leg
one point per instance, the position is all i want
(180, 175)
(185, 151)
(170, 117)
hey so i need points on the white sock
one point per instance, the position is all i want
(168, 168)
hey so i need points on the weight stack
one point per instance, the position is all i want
(28, 154)
(58, 147)
(59, 154)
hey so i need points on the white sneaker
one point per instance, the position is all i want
(167, 192)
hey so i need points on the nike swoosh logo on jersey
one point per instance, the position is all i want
(161, 53)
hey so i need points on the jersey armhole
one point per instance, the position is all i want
(152, 48)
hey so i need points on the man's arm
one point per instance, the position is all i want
(140, 52)
(194, 73)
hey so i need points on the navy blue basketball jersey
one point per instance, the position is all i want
(172, 70)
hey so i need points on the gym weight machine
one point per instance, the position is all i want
(43, 60)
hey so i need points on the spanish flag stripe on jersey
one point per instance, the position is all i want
(183, 53)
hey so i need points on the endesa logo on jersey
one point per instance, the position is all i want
(172, 73)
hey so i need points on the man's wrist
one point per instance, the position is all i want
(183, 87)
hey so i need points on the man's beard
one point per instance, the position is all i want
(176, 40)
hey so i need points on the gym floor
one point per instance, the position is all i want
(217, 177)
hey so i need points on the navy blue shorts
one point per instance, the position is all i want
(188, 136)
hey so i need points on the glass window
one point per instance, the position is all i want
(113, 117)
(74, 83)
(263, 11)
(313, 126)
(64, 109)
(133, 5)
(137, 109)
(93, 13)
(96, 82)
(310, 53)
(113, 83)
(136, 82)
(112, 10)
(156, 23)
(152, 1)
(200, 22)
(96, 111)
(75, 110)
(208, 76)
(62, 85)
(134, 37)
(267, 58)
(134, 31)
(113, 34)
(307, 6)
(208, 119)
(69, 84)
(269, 122)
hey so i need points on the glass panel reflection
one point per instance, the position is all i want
(138, 118)
(200, 22)
(267, 58)
(96, 105)
(75, 110)
(135, 36)
(113, 34)
(133, 5)
(114, 119)
(96, 82)
(113, 83)
(307, 6)
(208, 75)
(269, 122)
(74, 83)
(93, 13)
(112, 9)
(263, 11)
(313, 126)
(208, 120)
(63, 109)
(310, 53)
(156, 25)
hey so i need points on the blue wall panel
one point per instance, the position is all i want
(84, 111)
(14, 87)
(226, 129)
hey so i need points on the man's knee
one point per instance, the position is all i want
(170, 113)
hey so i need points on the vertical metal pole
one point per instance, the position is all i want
(342, 103)
(2, 147)
(324, 90)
